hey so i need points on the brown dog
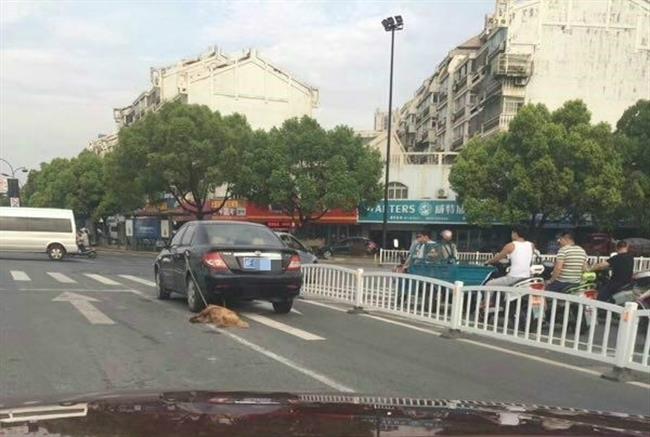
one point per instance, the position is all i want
(220, 316)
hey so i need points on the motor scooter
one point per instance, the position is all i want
(87, 252)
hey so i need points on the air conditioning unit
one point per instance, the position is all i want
(442, 193)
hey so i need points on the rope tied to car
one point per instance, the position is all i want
(196, 283)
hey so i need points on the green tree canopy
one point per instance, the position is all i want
(185, 150)
(76, 183)
(549, 165)
(633, 140)
(306, 170)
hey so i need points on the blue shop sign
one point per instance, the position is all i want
(415, 211)
(146, 228)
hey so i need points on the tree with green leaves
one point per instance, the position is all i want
(548, 166)
(306, 170)
(633, 141)
(76, 183)
(184, 150)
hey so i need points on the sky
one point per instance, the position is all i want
(65, 64)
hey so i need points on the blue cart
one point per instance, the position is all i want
(469, 274)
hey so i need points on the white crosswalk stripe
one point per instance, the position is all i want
(60, 277)
(282, 327)
(139, 280)
(19, 275)
(102, 279)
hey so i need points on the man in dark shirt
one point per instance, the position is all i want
(622, 267)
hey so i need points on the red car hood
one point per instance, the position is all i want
(198, 413)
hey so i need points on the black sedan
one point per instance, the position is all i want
(217, 261)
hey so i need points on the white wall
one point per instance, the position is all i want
(423, 180)
(596, 50)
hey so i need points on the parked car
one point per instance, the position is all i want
(38, 230)
(306, 254)
(350, 246)
(231, 261)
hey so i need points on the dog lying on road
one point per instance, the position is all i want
(220, 316)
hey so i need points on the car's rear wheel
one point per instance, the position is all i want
(163, 293)
(194, 300)
(56, 252)
(283, 306)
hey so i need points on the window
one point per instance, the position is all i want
(176, 241)
(293, 243)
(512, 106)
(235, 234)
(186, 239)
(397, 190)
(35, 224)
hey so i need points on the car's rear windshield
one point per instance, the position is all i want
(239, 235)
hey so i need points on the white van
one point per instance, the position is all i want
(38, 230)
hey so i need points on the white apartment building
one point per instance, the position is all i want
(246, 84)
(533, 51)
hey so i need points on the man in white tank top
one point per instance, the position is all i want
(520, 253)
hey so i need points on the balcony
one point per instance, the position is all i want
(497, 123)
(457, 142)
(459, 84)
(458, 114)
(513, 65)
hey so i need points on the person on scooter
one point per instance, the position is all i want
(448, 247)
(419, 250)
(520, 252)
(622, 268)
(83, 241)
(570, 263)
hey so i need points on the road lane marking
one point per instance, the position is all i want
(139, 280)
(295, 311)
(102, 279)
(85, 290)
(19, 275)
(62, 278)
(282, 327)
(287, 362)
(484, 345)
(84, 305)
(405, 325)
(324, 305)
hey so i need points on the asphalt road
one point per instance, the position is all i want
(81, 326)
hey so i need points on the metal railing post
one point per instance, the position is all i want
(456, 311)
(358, 295)
(624, 344)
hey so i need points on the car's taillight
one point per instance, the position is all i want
(294, 264)
(214, 261)
(372, 245)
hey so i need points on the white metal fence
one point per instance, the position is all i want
(393, 257)
(587, 328)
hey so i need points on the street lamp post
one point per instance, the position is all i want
(391, 24)
(13, 170)
(13, 189)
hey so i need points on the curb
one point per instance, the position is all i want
(125, 251)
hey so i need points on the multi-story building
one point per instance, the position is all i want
(381, 120)
(247, 84)
(539, 51)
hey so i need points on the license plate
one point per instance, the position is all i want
(260, 264)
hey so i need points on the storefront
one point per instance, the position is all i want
(407, 217)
